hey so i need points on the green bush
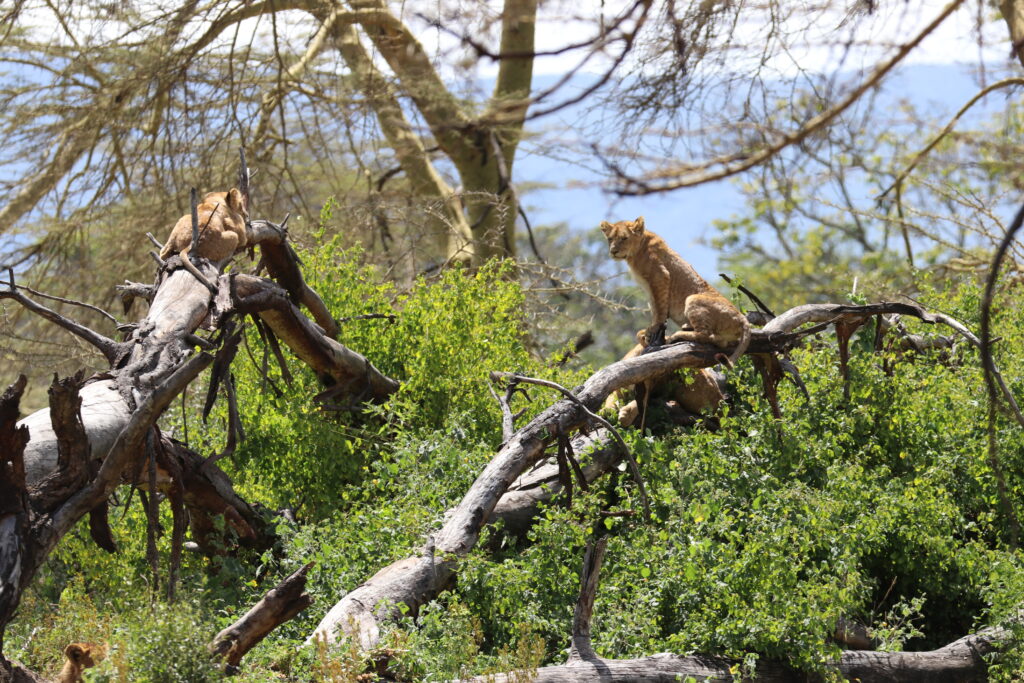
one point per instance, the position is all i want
(882, 508)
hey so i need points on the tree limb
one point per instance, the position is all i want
(671, 179)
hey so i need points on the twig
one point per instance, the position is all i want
(110, 349)
(1006, 82)
(750, 295)
(507, 422)
(156, 243)
(633, 467)
(667, 180)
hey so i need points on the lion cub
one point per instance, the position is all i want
(78, 656)
(222, 217)
(694, 389)
(677, 291)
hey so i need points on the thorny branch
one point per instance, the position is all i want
(672, 179)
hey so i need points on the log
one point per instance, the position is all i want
(959, 662)
(281, 604)
(962, 660)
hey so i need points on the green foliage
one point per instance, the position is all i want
(162, 644)
(446, 335)
(882, 509)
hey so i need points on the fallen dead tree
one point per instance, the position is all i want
(505, 491)
(62, 463)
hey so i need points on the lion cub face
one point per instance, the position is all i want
(78, 656)
(623, 237)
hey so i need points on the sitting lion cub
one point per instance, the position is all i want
(677, 291)
(222, 217)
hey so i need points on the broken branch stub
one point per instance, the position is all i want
(280, 604)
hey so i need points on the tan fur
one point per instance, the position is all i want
(676, 290)
(78, 656)
(222, 217)
(695, 390)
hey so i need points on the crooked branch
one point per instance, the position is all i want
(110, 349)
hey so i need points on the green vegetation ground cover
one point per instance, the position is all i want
(882, 509)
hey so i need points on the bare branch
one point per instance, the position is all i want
(110, 349)
(633, 467)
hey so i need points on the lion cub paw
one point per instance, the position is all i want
(628, 414)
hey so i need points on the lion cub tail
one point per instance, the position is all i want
(742, 346)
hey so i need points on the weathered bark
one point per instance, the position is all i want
(582, 647)
(283, 265)
(281, 604)
(959, 662)
(64, 462)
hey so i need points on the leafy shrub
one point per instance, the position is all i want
(162, 644)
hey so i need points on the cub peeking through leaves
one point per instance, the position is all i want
(78, 656)
(222, 218)
(677, 291)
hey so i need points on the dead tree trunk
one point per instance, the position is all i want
(63, 462)
(282, 603)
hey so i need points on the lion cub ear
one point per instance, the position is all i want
(638, 225)
(235, 200)
(606, 227)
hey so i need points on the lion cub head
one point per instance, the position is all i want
(78, 656)
(623, 237)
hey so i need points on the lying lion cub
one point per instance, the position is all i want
(695, 390)
(222, 217)
(677, 291)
